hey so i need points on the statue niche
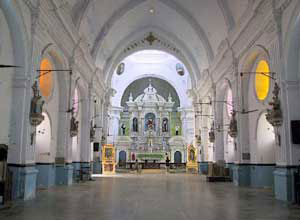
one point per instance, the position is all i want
(165, 125)
(135, 127)
(74, 124)
(150, 122)
(36, 107)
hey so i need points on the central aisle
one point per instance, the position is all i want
(153, 197)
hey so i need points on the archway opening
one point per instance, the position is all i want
(265, 141)
(122, 159)
(151, 105)
(43, 141)
(177, 157)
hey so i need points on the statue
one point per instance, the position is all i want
(130, 98)
(150, 124)
(123, 127)
(92, 132)
(211, 134)
(198, 138)
(177, 130)
(165, 125)
(274, 115)
(233, 125)
(135, 125)
(192, 155)
(36, 107)
(170, 98)
(74, 126)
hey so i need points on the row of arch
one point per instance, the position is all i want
(254, 88)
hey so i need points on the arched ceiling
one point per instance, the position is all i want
(200, 24)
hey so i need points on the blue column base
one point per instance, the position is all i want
(23, 181)
(86, 167)
(76, 169)
(241, 174)
(64, 174)
(46, 175)
(97, 167)
(230, 167)
(262, 175)
(203, 168)
(283, 183)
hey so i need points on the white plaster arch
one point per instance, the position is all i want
(292, 47)
(119, 54)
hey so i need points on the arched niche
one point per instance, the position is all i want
(43, 141)
(248, 97)
(227, 114)
(265, 141)
(177, 157)
(122, 158)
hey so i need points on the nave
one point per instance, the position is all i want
(193, 90)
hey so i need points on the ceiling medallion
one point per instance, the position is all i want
(151, 38)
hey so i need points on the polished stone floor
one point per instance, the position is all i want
(155, 197)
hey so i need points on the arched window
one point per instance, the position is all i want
(46, 78)
(262, 80)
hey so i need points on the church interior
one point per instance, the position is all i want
(150, 109)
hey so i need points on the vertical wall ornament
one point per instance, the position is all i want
(36, 107)
(233, 125)
(74, 126)
(274, 115)
(211, 134)
(92, 132)
(198, 138)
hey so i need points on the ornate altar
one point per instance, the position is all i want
(108, 159)
(192, 164)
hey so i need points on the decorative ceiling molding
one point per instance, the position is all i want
(79, 11)
(152, 39)
(118, 14)
(229, 20)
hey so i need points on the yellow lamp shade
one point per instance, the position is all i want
(46, 79)
(262, 81)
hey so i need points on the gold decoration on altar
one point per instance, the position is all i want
(192, 164)
(108, 159)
